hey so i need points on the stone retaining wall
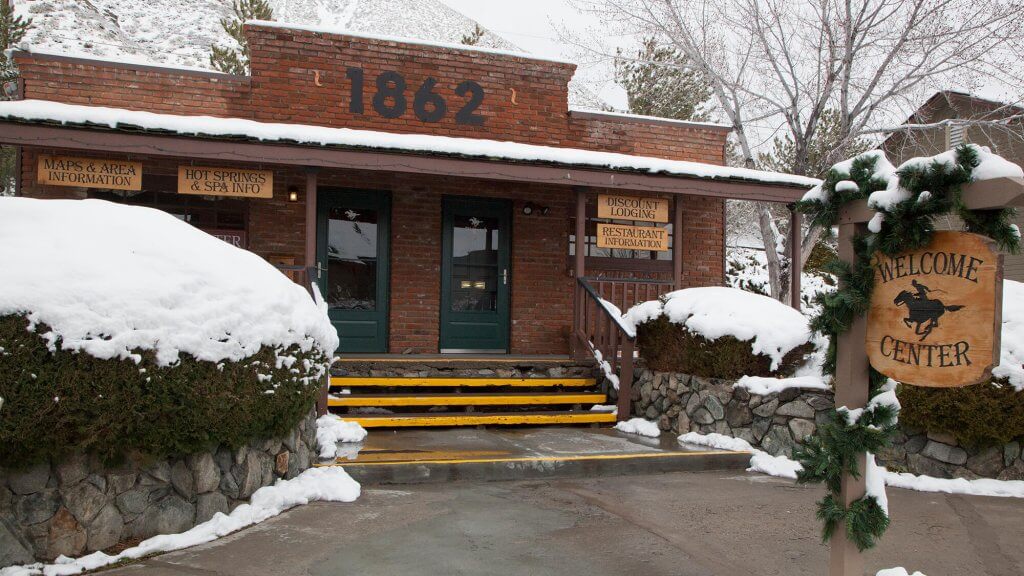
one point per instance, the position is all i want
(778, 423)
(78, 505)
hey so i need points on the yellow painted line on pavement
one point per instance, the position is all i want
(586, 457)
(476, 419)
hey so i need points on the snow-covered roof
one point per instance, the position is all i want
(43, 111)
(341, 31)
(644, 118)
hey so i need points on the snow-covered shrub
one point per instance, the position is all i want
(988, 414)
(123, 330)
(720, 333)
(991, 413)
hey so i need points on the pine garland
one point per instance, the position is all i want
(924, 190)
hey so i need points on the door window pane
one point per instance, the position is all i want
(352, 258)
(475, 274)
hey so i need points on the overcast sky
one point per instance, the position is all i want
(533, 25)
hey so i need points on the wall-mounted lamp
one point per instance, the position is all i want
(293, 193)
(531, 208)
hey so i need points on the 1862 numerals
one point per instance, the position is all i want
(391, 98)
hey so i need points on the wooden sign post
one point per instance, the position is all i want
(851, 380)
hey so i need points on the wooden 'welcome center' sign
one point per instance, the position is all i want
(936, 312)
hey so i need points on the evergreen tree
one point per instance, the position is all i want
(12, 30)
(236, 60)
(473, 38)
(827, 146)
(659, 82)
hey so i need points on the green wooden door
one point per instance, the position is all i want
(353, 259)
(475, 275)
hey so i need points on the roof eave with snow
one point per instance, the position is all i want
(42, 112)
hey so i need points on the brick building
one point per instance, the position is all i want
(434, 192)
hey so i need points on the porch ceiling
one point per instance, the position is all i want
(547, 167)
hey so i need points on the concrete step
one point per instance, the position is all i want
(410, 456)
(470, 399)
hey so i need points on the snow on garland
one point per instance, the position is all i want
(906, 200)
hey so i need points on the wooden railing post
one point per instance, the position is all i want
(626, 380)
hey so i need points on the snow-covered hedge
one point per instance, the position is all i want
(124, 329)
(720, 333)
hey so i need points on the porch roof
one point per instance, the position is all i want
(53, 124)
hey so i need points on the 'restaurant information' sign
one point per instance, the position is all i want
(90, 173)
(632, 208)
(936, 312)
(632, 237)
(225, 182)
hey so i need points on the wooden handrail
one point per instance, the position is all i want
(609, 339)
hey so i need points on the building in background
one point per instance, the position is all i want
(998, 125)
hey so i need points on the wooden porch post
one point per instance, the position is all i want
(795, 256)
(677, 242)
(579, 270)
(311, 265)
(311, 218)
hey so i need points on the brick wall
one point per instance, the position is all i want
(288, 65)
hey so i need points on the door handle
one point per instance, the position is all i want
(504, 276)
(319, 269)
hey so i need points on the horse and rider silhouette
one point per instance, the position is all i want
(923, 312)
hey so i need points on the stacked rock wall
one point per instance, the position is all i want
(778, 423)
(80, 505)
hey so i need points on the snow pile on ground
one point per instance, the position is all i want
(877, 476)
(639, 426)
(762, 386)
(330, 430)
(772, 328)
(760, 461)
(898, 571)
(316, 484)
(118, 279)
(1011, 362)
(976, 487)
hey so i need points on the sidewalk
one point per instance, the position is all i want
(679, 524)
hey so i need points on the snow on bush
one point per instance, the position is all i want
(639, 426)
(772, 328)
(1011, 362)
(330, 484)
(111, 280)
(330, 430)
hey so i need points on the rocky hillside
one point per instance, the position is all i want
(180, 32)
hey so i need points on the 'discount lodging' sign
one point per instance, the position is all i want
(936, 312)
(618, 207)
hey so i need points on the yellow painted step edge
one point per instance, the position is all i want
(399, 381)
(479, 419)
(468, 400)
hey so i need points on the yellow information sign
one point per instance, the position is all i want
(618, 207)
(90, 173)
(234, 182)
(632, 237)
